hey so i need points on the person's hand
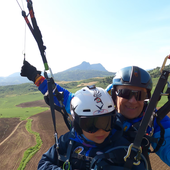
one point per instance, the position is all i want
(29, 71)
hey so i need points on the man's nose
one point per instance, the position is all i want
(132, 99)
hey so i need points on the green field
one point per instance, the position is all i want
(8, 108)
(163, 99)
(10, 96)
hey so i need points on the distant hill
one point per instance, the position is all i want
(13, 79)
(80, 72)
(87, 66)
(156, 71)
(27, 88)
(81, 75)
(83, 71)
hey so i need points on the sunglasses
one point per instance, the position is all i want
(92, 124)
(128, 94)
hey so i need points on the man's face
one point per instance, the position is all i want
(130, 108)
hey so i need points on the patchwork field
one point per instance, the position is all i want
(15, 139)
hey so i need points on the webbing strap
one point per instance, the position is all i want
(144, 123)
(67, 157)
(152, 104)
(38, 37)
(164, 110)
(62, 110)
(36, 32)
(51, 102)
(161, 139)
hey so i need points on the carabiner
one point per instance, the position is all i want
(163, 65)
(137, 157)
(66, 165)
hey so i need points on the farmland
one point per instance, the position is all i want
(13, 149)
(24, 116)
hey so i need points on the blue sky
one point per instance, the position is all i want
(111, 32)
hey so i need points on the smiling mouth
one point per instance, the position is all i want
(132, 108)
(99, 137)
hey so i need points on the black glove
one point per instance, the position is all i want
(29, 71)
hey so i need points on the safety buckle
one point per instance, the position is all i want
(137, 157)
(66, 165)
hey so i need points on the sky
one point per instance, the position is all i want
(111, 32)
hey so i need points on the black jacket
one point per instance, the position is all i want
(83, 152)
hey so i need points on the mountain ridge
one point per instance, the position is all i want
(83, 71)
(87, 66)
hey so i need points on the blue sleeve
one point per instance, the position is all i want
(49, 160)
(108, 88)
(67, 95)
(164, 151)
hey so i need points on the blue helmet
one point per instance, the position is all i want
(133, 76)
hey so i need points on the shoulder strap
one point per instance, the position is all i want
(66, 159)
(144, 123)
(63, 112)
(60, 108)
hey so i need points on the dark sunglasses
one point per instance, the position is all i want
(92, 124)
(127, 94)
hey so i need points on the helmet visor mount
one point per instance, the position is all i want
(128, 94)
(92, 124)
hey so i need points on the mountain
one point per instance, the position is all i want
(80, 72)
(83, 71)
(80, 75)
(87, 66)
(156, 71)
(13, 80)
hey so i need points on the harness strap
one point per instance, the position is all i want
(66, 159)
(36, 33)
(87, 159)
(61, 109)
(146, 155)
(161, 139)
(144, 123)
(164, 110)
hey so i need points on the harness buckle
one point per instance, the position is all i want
(137, 157)
(66, 165)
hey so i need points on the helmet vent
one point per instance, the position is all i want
(109, 106)
(87, 110)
